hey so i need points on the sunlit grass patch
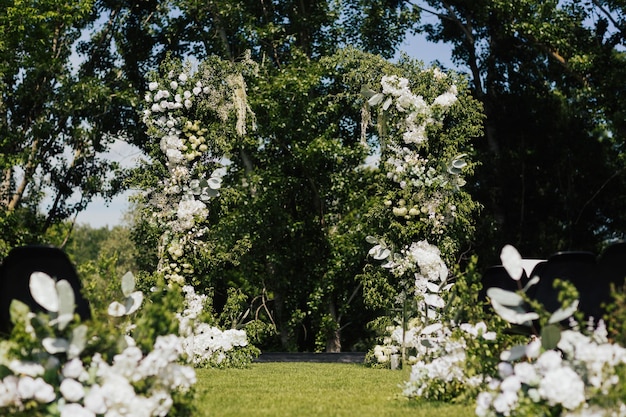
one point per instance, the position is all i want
(311, 389)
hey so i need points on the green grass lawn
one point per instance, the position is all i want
(311, 389)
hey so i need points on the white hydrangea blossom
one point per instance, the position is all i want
(441, 359)
(583, 366)
(202, 343)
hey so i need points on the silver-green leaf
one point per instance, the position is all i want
(550, 336)
(128, 284)
(44, 292)
(504, 297)
(563, 313)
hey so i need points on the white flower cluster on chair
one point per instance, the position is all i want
(57, 376)
(573, 376)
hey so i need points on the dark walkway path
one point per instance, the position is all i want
(344, 357)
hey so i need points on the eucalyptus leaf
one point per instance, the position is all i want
(550, 336)
(431, 328)
(66, 303)
(133, 302)
(55, 345)
(505, 297)
(381, 253)
(533, 281)
(434, 300)
(513, 354)
(455, 167)
(512, 262)
(459, 162)
(44, 292)
(116, 309)
(214, 183)
(371, 239)
(376, 99)
(78, 341)
(563, 313)
(426, 342)
(128, 284)
(367, 92)
(515, 315)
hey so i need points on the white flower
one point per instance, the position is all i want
(533, 349)
(73, 369)
(153, 86)
(490, 336)
(446, 99)
(526, 373)
(188, 210)
(26, 368)
(76, 410)
(72, 390)
(483, 403)
(126, 363)
(505, 402)
(94, 400)
(549, 360)
(8, 391)
(26, 387)
(44, 392)
(511, 383)
(562, 386)
(505, 369)
(183, 77)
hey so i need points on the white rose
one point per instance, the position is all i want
(94, 400)
(76, 410)
(26, 387)
(44, 392)
(72, 390)
(73, 369)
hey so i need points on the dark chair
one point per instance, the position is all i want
(577, 267)
(496, 276)
(612, 264)
(15, 273)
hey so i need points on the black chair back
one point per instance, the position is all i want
(15, 273)
(577, 267)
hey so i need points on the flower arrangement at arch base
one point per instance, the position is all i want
(561, 371)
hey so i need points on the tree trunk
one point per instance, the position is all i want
(333, 339)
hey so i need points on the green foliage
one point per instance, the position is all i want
(50, 119)
(616, 315)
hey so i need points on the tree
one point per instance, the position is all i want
(53, 124)
(548, 74)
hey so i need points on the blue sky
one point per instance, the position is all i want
(99, 214)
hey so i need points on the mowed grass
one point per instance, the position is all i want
(305, 389)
